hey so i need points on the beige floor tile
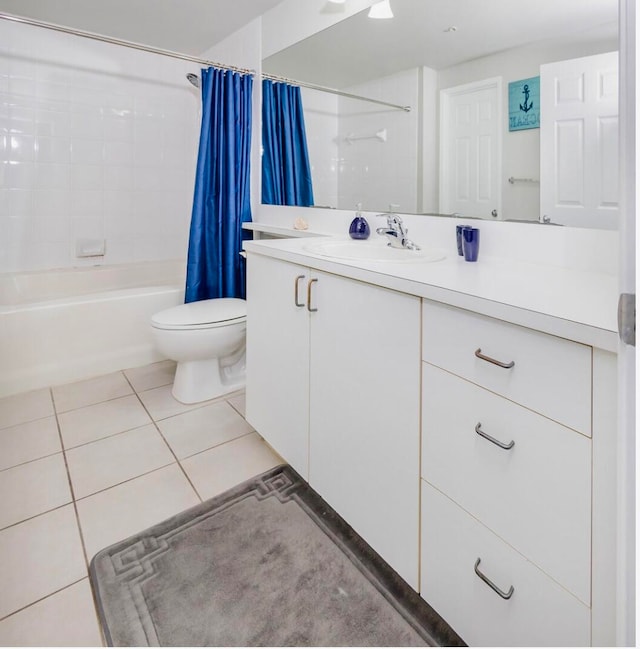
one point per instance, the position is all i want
(101, 420)
(86, 393)
(225, 466)
(151, 376)
(33, 488)
(239, 403)
(119, 512)
(65, 619)
(30, 441)
(24, 407)
(38, 557)
(161, 404)
(107, 462)
(198, 430)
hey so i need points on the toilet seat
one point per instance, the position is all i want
(204, 314)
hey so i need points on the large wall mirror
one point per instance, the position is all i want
(383, 155)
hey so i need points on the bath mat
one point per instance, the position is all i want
(267, 563)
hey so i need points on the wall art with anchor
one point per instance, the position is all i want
(524, 104)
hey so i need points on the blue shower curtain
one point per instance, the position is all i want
(221, 201)
(286, 173)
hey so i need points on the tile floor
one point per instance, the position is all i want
(87, 464)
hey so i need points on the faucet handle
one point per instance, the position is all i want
(392, 218)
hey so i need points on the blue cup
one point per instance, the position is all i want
(459, 229)
(470, 243)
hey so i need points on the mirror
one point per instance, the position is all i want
(377, 155)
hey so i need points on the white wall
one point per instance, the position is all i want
(96, 141)
(428, 167)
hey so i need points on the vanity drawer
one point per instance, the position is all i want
(548, 374)
(538, 613)
(536, 495)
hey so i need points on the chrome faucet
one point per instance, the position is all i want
(396, 233)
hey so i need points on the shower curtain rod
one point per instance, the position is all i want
(186, 57)
(117, 41)
(333, 91)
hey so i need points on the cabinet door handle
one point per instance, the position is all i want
(493, 440)
(507, 366)
(491, 585)
(296, 297)
(309, 285)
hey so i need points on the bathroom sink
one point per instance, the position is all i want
(371, 251)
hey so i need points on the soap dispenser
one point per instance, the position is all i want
(359, 228)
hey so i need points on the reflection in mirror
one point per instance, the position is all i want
(379, 155)
(286, 174)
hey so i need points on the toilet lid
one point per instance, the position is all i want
(205, 312)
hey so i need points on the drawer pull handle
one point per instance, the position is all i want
(491, 585)
(493, 440)
(309, 285)
(296, 298)
(507, 366)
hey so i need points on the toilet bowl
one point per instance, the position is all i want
(207, 340)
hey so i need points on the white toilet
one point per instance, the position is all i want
(207, 340)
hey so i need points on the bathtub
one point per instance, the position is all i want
(66, 325)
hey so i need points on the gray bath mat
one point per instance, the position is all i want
(267, 563)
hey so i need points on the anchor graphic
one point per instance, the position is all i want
(527, 107)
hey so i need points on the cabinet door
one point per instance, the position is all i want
(364, 413)
(278, 357)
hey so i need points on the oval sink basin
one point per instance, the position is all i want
(370, 251)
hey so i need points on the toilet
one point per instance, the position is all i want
(207, 340)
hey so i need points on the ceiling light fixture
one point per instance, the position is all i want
(338, 2)
(381, 10)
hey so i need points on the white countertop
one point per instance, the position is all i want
(574, 304)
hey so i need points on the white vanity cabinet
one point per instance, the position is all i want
(507, 480)
(333, 385)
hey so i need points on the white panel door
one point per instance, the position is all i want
(470, 149)
(579, 141)
(277, 390)
(365, 413)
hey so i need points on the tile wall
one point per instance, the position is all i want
(97, 142)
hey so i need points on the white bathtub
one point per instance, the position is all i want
(66, 325)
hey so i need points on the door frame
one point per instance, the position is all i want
(626, 438)
(445, 101)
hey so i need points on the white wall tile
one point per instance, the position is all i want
(85, 177)
(54, 176)
(53, 123)
(87, 152)
(53, 149)
(87, 203)
(86, 147)
(20, 175)
(21, 148)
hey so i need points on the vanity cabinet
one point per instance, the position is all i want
(333, 385)
(507, 480)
